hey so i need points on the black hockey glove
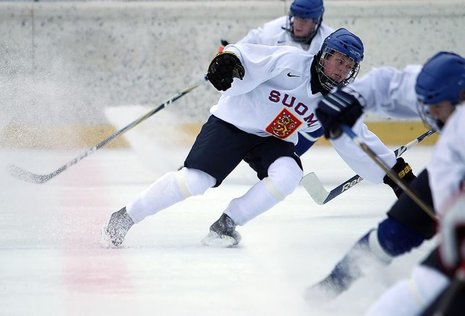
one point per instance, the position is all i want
(222, 70)
(336, 108)
(404, 172)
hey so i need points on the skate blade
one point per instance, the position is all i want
(215, 240)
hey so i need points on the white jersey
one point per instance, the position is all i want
(447, 167)
(275, 99)
(389, 92)
(274, 33)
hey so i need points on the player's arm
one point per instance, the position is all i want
(344, 106)
(389, 92)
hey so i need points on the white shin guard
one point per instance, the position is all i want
(170, 189)
(283, 177)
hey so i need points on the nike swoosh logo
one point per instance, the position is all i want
(292, 75)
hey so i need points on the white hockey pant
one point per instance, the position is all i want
(284, 175)
(170, 189)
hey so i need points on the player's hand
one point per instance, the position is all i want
(452, 232)
(223, 69)
(403, 170)
(336, 108)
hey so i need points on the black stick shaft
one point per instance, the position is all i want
(41, 178)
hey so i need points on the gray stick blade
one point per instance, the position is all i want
(313, 185)
(27, 176)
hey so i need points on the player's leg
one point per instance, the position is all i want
(168, 190)
(412, 296)
(405, 228)
(280, 172)
(206, 165)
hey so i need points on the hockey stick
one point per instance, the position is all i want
(359, 142)
(320, 195)
(28, 176)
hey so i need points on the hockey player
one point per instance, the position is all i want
(304, 28)
(441, 92)
(270, 94)
(406, 226)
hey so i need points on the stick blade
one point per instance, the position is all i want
(27, 176)
(313, 185)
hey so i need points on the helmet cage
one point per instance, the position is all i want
(307, 10)
(442, 78)
(424, 110)
(328, 83)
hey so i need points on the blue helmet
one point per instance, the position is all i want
(346, 43)
(442, 78)
(308, 10)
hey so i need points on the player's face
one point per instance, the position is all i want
(441, 111)
(304, 27)
(338, 66)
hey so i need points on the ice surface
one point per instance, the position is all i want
(51, 262)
